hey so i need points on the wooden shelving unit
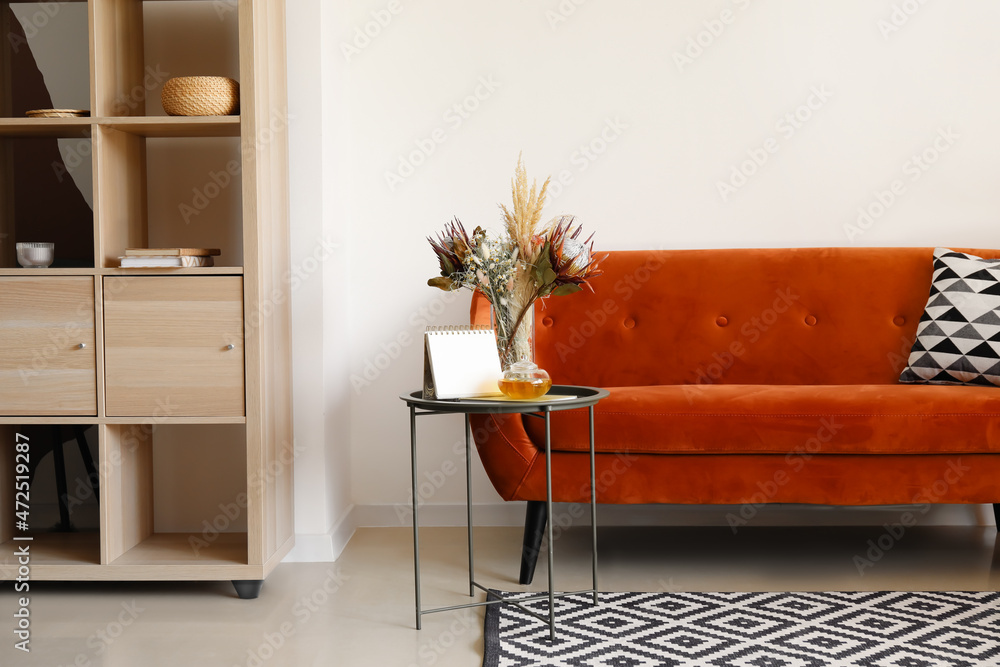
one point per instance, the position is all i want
(154, 339)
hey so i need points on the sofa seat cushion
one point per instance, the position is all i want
(784, 419)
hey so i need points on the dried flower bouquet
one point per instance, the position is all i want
(513, 270)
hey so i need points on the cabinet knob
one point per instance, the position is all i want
(230, 347)
(82, 346)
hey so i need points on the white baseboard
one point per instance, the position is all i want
(328, 547)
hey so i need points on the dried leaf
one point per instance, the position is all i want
(568, 288)
(446, 284)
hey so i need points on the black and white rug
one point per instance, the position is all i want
(750, 630)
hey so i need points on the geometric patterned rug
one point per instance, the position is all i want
(866, 629)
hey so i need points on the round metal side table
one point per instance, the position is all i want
(582, 397)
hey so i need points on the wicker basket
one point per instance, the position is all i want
(201, 96)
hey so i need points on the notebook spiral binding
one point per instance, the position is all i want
(458, 328)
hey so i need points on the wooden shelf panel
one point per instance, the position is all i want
(175, 126)
(173, 420)
(54, 549)
(165, 549)
(144, 126)
(190, 271)
(30, 273)
(46, 127)
(39, 419)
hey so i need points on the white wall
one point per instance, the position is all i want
(320, 303)
(564, 75)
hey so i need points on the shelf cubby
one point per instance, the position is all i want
(45, 57)
(165, 511)
(171, 192)
(131, 74)
(46, 195)
(52, 544)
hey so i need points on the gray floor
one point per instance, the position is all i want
(359, 610)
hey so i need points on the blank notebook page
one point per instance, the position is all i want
(464, 363)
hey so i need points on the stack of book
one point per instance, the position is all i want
(145, 258)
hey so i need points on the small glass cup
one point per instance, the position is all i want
(525, 380)
(35, 255)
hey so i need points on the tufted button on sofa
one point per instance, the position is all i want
(764, 374)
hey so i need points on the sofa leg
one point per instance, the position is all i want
(996, 514)
(534, 529)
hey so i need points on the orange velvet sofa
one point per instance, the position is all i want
(743, 377)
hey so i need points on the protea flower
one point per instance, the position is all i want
(568, 263)
(452, 248)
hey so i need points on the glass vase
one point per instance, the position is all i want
(518, 344)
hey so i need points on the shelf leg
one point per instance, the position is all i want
(248, 589)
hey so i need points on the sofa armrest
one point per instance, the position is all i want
(505, 450)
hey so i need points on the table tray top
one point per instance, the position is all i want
(585, 397)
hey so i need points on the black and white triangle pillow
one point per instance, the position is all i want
(958, 338)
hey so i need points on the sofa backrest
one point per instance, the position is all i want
(738, 316)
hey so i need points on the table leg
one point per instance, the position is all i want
(468, 500)
(416, 522)
(548, 507)
(593, 501)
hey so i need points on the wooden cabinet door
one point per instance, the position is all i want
(47, 359)
(173, 346)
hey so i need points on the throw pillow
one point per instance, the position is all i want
(958, 337)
